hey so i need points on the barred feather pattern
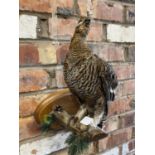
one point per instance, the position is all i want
(88, 77)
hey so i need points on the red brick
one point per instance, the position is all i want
(130, 54)
(52, 82)
(37, 53)
(128, 87)
(28, 54)
(108, 11)
(113, 53)
(28, 128)
(120, 106)
(103, 144)
(47, 6)
(127, 120)
(28, 104)
(124, 71)
(64, 3)
(61, 52)
(47, 53)
(68, 26)
(108, 52)
(97, 32)
(82, 4)
(119, 122)
(33, 80)
(119, 90)
(35, 5)
(60, 78)
(131, 145)
(119, 137)
(60, 28)
(111, 124)
(116, 138)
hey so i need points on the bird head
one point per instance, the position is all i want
(83, 26)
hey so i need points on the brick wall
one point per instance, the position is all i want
(46, 27)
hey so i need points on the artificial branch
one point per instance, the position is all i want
(74, 125)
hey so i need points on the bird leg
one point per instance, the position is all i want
(80, 113)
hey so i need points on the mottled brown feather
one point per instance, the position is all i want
(88, 77)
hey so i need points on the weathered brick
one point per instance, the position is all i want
(42, 27)
(60, 77)
(82, 6)
(28, 104)
(119, 122)
(129, 54)
(46, 6)
(118, 33)
(60, 28)
(64, 3)
(35, 5)
(27, 26)
(111, 124)
(128, 87)
(45, 145)
(131, 145)
(108, 11)
(116, 138)
(120, 105)
(47, 53)
(37, 53)
(125, 88)
(68, 26)
(102, 146)
(108, 52)
(28, 54)
(65, 12)
(130, 14)
(124, 71)
(28, 128)
(119, 137)
(33, 80)
(97, 32)
(64, 8)
(52, 73)
(127, 120)
(61, 52)
(118, 91)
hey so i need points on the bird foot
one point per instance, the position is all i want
(58, 108)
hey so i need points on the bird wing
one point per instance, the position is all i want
(105, 71)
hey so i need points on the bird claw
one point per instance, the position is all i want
(58, 108)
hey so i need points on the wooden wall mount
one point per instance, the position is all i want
(61, 97)
(70, 105)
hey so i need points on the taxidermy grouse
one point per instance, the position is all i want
(89, 78)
